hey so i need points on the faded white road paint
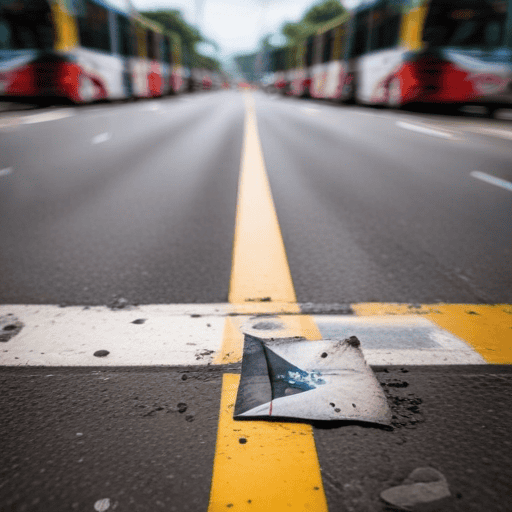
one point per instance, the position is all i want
(174, 335)
(101, 137)
(310, 111)
(55, 336)
(493, 180)
(495, 132)
(44, 117)
(424, 130)
(408, 340)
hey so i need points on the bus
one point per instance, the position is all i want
(406, 52)
(84, 50)
(278, 66)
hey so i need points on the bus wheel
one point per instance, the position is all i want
(395, 94)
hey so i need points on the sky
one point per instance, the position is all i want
(236, 25)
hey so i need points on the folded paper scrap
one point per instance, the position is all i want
(311, 380)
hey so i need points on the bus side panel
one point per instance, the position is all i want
(154, 79)
(298, 78)
(343, 76)
(318, 79)
(332, 82)
(377, 71)
(101, 74)
(139, 68)
(178, 78)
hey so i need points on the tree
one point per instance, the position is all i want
(172, 20)
(312, 19)
(323, 12)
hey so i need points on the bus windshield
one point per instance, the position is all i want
(466, 23)
(25, 24)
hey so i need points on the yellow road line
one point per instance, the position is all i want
(261, 466)
(487, 328)
(260, 268)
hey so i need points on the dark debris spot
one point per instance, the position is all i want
(323, 354)
(353, 341)
(195, 315)
(332, 404)
(337, 410)
(316, 488)
(10, 327)
(182, 407)
(139, 321)
(101, 353)
(242, 440)
(229, 505)
(398, 384)
(184, 377)
(472, 313)
(189, 418)
(354, 405)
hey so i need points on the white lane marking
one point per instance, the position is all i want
(493, 180)
(425, 130)
(153, 106)
(504, 134)
(191, 334)
(403, 339)
(47, 116)
(6, 171)
(54, 336)
(101, 137)
(310, 111)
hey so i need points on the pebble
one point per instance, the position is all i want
(423, 486)
(102, 505)
(101, 353)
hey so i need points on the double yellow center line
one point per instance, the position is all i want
(258, 465)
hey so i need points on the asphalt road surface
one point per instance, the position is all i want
(110, 212)
(138, 201)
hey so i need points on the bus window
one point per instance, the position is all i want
(93, 27)
(151, 45)
(310, 45)
(26, 25)
(166, 50)
(327, 48)
(125, 36)
(467, 24)
(360, 40)
(385, 29)
(340, 41)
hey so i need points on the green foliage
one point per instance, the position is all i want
(312, 20)
(323, 12)
(207, 63)
(172, 20)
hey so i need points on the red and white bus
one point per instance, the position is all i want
(84, 50)
(404, 52)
